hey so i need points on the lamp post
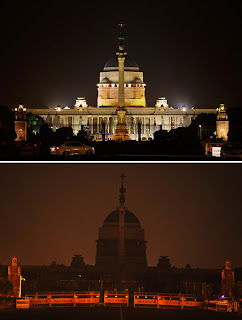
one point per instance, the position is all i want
(20, 286)
(200, 132)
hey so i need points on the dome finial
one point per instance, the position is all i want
(122, 190)
(121, 38)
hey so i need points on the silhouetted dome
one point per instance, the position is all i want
(129, 217)
(106, 80)
(129, 64)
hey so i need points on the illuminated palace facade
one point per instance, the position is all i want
(142, 121)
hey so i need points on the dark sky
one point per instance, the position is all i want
(52, 51)
(190, 212)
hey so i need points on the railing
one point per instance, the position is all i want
(89, 298)
(122, 298)
(116, 298)
(22, 303)
(164, 300)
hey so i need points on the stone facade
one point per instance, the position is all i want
(227, 280)
(14, 276)
(150, 119)
(107, 255)
(134, 89)
(142, 121)
(222, 124)
(20, 123)
(121, 248)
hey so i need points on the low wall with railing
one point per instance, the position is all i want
(124, 299)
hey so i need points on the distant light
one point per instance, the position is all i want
(200, 126)
(222, 297)
(184, 109)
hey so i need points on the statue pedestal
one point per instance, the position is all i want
(121, 128)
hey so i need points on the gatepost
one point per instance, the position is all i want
(50, 300)
(74, 297)
(182, 302)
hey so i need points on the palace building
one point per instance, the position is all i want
(121, 246)
(100, 121)
(121, 263)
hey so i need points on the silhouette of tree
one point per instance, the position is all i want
(7, 131)
(207, 121)
(237, 290)
(64, 134)
(235, 124)
(5, 286)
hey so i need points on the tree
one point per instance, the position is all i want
(237, 290)
(7, 132)
(207, 121)
(53, 264)
(32, 119)
(5, 286)
(46, 134)
(34, 123)
(235, 124)
(64, 133)
(7, 135)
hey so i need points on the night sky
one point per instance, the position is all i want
(52, 51)
(190, 212)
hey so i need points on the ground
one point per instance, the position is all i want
(115, 313)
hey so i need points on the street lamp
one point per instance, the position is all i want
(200, 132)
(20, 286)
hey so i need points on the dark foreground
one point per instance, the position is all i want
(121, 157)
(114, 314)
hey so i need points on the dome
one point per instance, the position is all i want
(129, 217)
(129, 64)
(106, 80)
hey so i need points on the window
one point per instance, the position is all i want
(94, 125)
(132, 125)
(147, 125)
(172, 122)
(69, 121)
(110, 125)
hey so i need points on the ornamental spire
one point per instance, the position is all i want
(121, 38)
(122, 191)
